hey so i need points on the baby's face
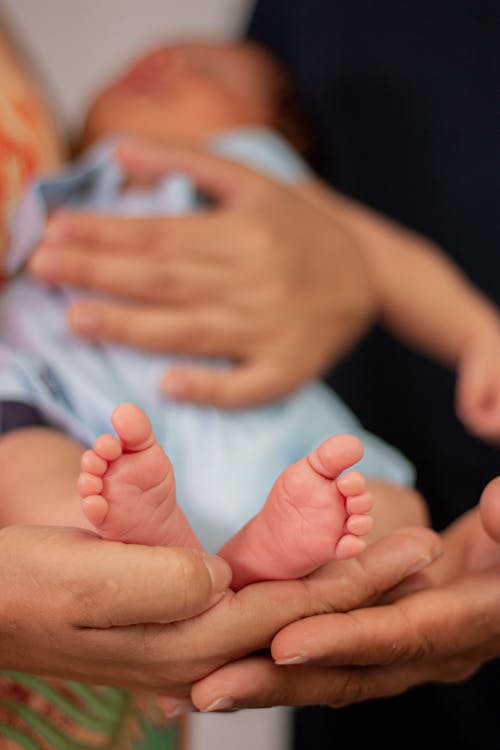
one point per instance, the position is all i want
(184, 93)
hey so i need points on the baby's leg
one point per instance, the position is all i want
(312, 515)
(128, 486)
(395, 506)
(37, 481)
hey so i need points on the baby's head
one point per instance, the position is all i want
(184, 93)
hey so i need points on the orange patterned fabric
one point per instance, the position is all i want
(29, 140)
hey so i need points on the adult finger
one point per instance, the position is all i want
(244, 385)
(441, 635)
(133, 276)
(170, 236)
(435, 624)
(239, 624)
(362, 580)
(132, 584)
(155, 329)
(98, 230)
(246, 621)
(258, 683)
(181, 260)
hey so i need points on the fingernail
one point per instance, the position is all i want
(435, 552)
(295, 659)
(84, 320)
(174, 706)
(220, 704)
(175, 386)
(419, 564)
(220, 574)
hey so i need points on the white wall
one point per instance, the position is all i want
(77, 44)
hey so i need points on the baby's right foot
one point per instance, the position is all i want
(311, 516)
(128, 486)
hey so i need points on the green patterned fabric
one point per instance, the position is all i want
(160, 739)
(39, 714)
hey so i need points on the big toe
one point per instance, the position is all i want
(132, 426)
(335, 455)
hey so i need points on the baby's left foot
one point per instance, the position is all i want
(128, 486)
(311, 516)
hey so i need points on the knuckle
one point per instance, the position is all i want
(418, 644)
(260, 235)
(351, 689)
(196, 336)
(162, 283)
(183, 569)
(89, 605)
(150, 637)
(149, 236)
(459, 669)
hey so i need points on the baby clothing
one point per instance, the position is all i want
(225, 462)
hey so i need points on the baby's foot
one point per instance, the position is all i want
(311, 516)
(128, 486)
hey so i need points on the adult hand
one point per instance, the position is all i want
(442, 633)
(245, 622)
(265, 278)
(74, 607)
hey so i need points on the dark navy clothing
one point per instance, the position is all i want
(404, 101)
(14, 415)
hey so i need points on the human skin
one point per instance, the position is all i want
(230, 282)
(442, 633)
(271, 273)
(97, 599)
(182, 94)
(75, 607)
(425, 300)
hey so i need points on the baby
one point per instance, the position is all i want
(226, 463)
(232, 99)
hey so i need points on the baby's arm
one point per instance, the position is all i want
(38, 478)
(426, 300)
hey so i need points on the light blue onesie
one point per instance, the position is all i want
(225, 461)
